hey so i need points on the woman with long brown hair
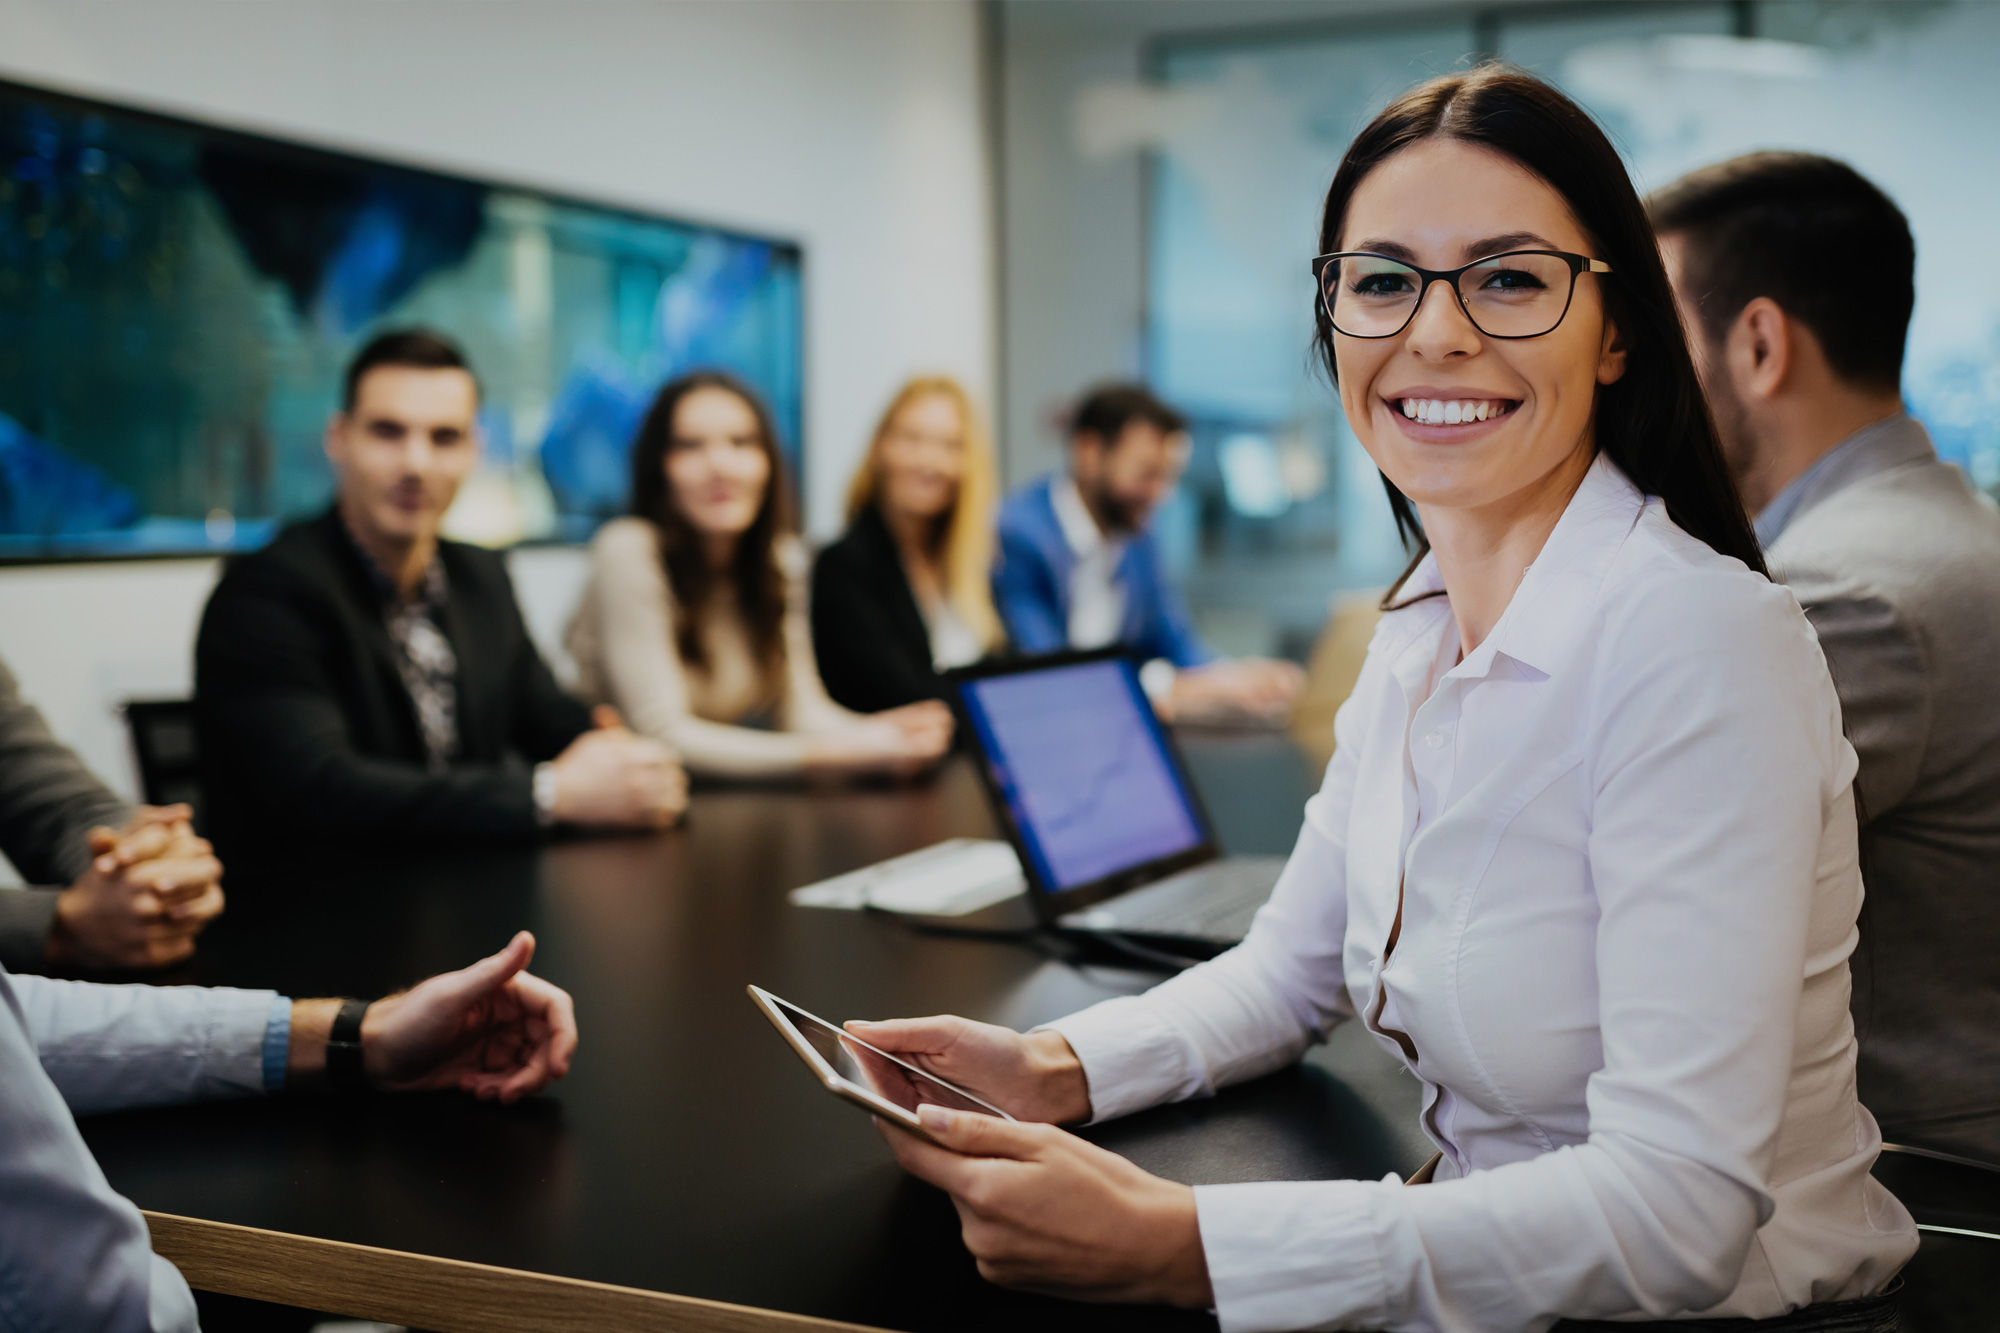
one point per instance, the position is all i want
(905, 594)
(693, 624)
(1584, 862)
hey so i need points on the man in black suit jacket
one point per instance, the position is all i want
(361, 676)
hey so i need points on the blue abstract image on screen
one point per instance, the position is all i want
(177, 303)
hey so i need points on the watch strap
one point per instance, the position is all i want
(545, 788)
(343, 1047)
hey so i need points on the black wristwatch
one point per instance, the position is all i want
(343, 1047)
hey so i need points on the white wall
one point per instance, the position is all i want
(852, 126)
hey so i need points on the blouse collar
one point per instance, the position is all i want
(1548, 611)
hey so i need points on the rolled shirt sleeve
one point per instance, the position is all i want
(107, 1048)
(276, 1055)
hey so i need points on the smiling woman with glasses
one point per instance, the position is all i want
(1584, 860)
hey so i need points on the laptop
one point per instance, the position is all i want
(1095, 798)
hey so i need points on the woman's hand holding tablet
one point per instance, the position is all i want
(1016, 1186)
(854, 1071)
(1043, 1209)
(1033, 1076)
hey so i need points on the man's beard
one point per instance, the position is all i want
(1732, 424)
(1115, 512)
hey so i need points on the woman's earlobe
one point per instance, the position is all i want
(1611, 356)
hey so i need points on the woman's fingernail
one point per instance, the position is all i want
(936, 1117)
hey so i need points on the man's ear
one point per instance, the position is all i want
(1760, 351)
(1086, 453)
(334, 439)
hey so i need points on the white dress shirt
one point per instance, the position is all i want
(1624, 836)
(954, 643)
(1096, 597)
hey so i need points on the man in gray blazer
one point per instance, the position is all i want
(1796, 280)
(134, 887)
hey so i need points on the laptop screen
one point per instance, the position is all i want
(1080, 761)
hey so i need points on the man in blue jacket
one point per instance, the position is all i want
(1078, 567)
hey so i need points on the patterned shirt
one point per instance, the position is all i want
(424, 656)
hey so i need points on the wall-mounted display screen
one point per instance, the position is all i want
(178, 302)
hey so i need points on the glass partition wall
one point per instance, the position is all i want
(1281, 506)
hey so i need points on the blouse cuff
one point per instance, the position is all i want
(1132, 1057)
(1294, 1254)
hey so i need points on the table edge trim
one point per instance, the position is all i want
(445, 1295)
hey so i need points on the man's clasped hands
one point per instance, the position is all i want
(149, 890)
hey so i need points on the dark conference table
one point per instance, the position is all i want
(689, 1152)
(689, 1159)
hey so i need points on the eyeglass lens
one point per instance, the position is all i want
(1507, 296)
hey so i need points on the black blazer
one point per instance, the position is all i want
(873, 648)
(305, 724)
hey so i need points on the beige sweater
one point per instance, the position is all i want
(622, 639)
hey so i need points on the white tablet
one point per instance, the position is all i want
(853, 1070)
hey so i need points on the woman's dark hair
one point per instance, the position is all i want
(1654, 421)
(759, 582)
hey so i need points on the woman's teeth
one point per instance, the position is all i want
(1439, 412)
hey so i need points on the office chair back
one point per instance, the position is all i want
(1948, 1286)
(163, 741)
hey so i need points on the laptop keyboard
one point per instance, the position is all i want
(1230, 896)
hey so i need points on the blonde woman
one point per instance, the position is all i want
(904, 594)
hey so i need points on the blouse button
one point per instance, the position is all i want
(1435, 740)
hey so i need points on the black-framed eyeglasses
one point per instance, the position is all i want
(1519, 294)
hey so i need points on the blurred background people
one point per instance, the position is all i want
(1079, 567)
(360, 675)
(135, 886)
(694, 620)
(904, 593)
(1796, 278)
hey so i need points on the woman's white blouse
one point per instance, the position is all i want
(1625, 838)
